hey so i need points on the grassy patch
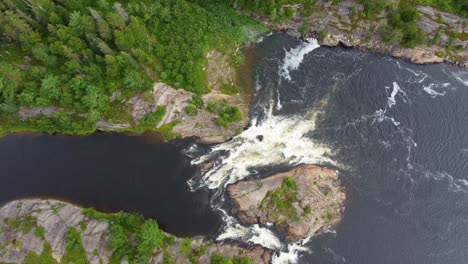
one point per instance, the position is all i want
(191, 110)
(229, 89)
(24, 224)
(39, 232)
(218, 259)
(44, 258)
(74, 251)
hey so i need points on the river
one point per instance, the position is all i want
(396, 132)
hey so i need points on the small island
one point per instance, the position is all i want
(302, 201)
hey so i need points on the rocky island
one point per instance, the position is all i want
(302, 201)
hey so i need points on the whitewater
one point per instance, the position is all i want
(272, 140)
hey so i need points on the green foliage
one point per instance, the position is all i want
(323, 34)
(218, 259)
(39, 232)
(151, 119)
(24, 224)
(459, 7)
(148, 237)
(190, 110)
(185, 246)
(148, 96)
(74, 54)
(280, 200)
(277, 10)
(229, 89)
(373, 8)
(228, 114)
(74, 251)
(212, 107)
(197, 101)
(402, 27)
(44, 258)
(132, 237)
(307, 211)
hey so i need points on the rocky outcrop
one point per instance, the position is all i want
(311, 202)
(201, 126)
(26, 225)
(337, 24)
(20, 219)
(25, 112)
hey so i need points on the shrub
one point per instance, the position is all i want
(190, 110)
(212, 107)
(151, 119)
(197, 101)
(228, 114)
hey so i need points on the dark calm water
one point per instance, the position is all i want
(399, 134)
(110, 172)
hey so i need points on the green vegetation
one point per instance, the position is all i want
(74, 251)
(459, 7)
(402, 27)
(217, 259)
(212, 107)
(373, 8)
(132, 237)
(191, 110)
(280, 201)
(229, 89)
(39, 232)
(24, 224)
(402, 16)
(277, 10)
(197, 101)
(307, 211)
(44, 258)
(75, 54)
(151, 119)
(228, 114)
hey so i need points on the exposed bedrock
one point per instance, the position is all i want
(303, 201)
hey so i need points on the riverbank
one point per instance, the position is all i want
(341, 24)
(39, 228)
(173, 113)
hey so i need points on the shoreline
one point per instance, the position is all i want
(334, 25)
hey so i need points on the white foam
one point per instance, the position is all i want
(419, 75)
(462, 77)
(279, 106)
(252, 234)
(294, 57)
(430, 89)
(284, 141)
(291, 255)
(391, 101)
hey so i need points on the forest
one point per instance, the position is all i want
(74, 54)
